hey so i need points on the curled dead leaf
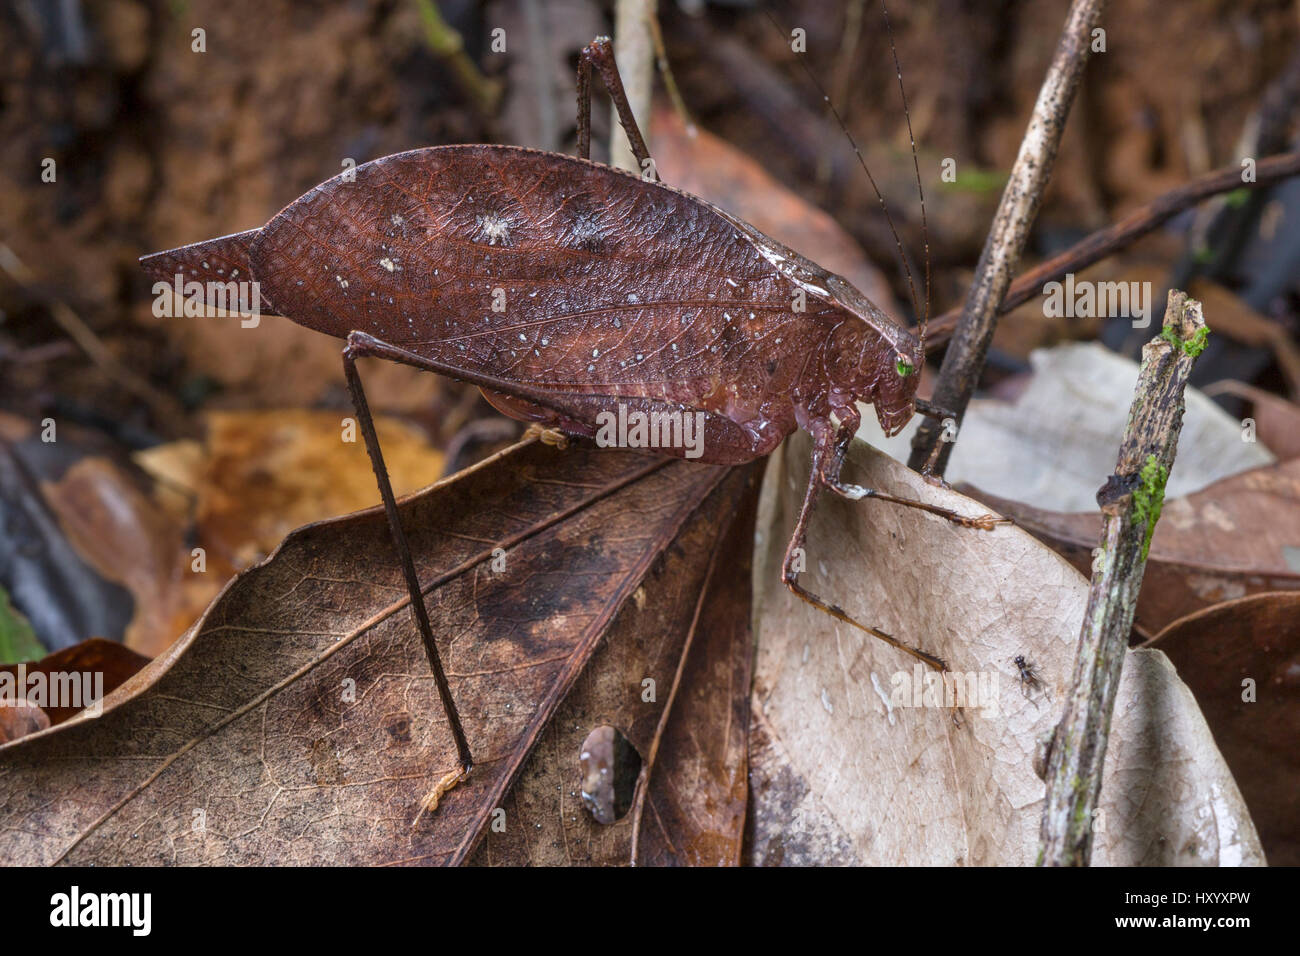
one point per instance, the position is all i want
(121, 532)
(1242, 661)
(1276, 421)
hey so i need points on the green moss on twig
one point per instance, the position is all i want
(1192, 346)
(1149, 498)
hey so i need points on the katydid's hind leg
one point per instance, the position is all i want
(418, 608)
(795, 550)
(547, 436)
(599, 53)
(984, 522)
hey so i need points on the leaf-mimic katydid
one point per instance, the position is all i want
(564, 289)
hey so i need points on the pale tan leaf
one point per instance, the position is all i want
(842, 772)
(1055, 445)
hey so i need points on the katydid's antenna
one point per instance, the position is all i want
(922, 317)
(916, 166)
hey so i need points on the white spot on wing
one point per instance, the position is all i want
(494, 228)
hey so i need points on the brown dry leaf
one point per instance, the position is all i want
(120, 532)
(690, 634)
(1277, 421)
(1235, 318)
(256, 476)
(19, 718)
(1216, 651)
(297, 722)
(175, 468)
(107, 664)
(1239, 536)
(844, 772)
(268, 472)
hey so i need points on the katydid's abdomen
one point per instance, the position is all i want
(582, 282)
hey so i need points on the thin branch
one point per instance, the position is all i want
(448, 46)
(539, 67)
(1130, 506)
(1107, 241)
(670, 81)
(1006, 241)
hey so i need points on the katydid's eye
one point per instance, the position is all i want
(903, 368)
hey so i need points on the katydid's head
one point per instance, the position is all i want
(880, 359)
(893, 389)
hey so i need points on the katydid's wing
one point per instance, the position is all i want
(539, 268)
(827, 287)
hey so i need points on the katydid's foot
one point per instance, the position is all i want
(547, 436)
(431, 799)
(984, 522)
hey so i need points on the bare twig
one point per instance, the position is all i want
(1132, 227)
(670, 81)
(1130, 506)
(634, 51)
(167, 412)
(1016, 212)
(539, 65)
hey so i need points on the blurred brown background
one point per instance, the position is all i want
(157, 145)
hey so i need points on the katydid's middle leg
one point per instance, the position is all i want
(824, 446)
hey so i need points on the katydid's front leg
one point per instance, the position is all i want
(850, 418)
